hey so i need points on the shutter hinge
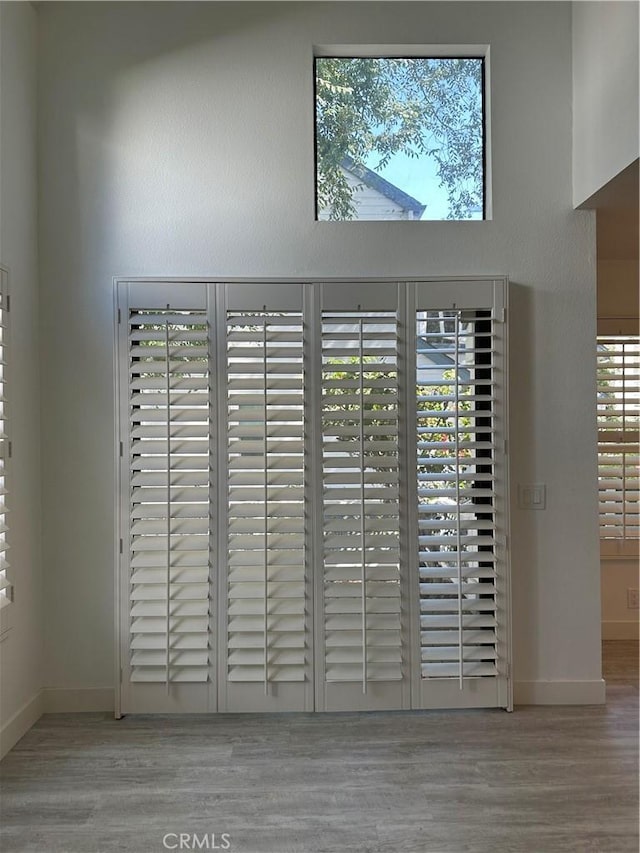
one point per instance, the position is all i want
(506, 448)
(508, 669)
(121, 546)
(502, 315)
(119, 316)
(9, 449)
(120, 675)
(10, 593)
(8, 302)
(121, 449)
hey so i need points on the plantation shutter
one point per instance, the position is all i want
(169, 525)
(361, 573)
(267, 634)
(618, 408)
(313, 505)
(5, 585)
(460, 482)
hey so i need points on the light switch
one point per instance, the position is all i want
(532, 495)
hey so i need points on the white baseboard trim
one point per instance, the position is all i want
(559, 692)
(19, 724)
(77, 699)
(63, 700)
(621, 630)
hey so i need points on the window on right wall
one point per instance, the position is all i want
(400, 138)
(618, 384)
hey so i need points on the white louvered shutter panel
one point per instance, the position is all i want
(461, 508)
(313, 496)
(169, 416)
(361, 584)
(5, 585)
(267, 632)
(618, 385)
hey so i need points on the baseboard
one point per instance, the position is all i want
(62, 700)
(19, 724)
(621, 630)
(69, 700)
(559, 692)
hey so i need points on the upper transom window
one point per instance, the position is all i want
(399, 138)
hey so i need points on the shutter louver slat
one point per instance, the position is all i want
(360, 470)
(169, 423)
(266, 592)
(455, 380)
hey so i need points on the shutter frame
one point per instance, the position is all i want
(312, 298)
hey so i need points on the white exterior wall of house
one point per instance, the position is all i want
(177, 140)
(371, 204)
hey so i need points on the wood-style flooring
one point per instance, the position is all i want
(540, 780)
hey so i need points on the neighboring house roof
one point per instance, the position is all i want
(439, 359)
(391, 191)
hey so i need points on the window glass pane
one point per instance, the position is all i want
(399, 138)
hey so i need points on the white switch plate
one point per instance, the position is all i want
(532, 495)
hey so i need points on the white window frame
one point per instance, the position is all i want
(419, 51)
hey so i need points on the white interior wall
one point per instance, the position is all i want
(21, 650)
(605, 92)
(619, 621)
(177, 140)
